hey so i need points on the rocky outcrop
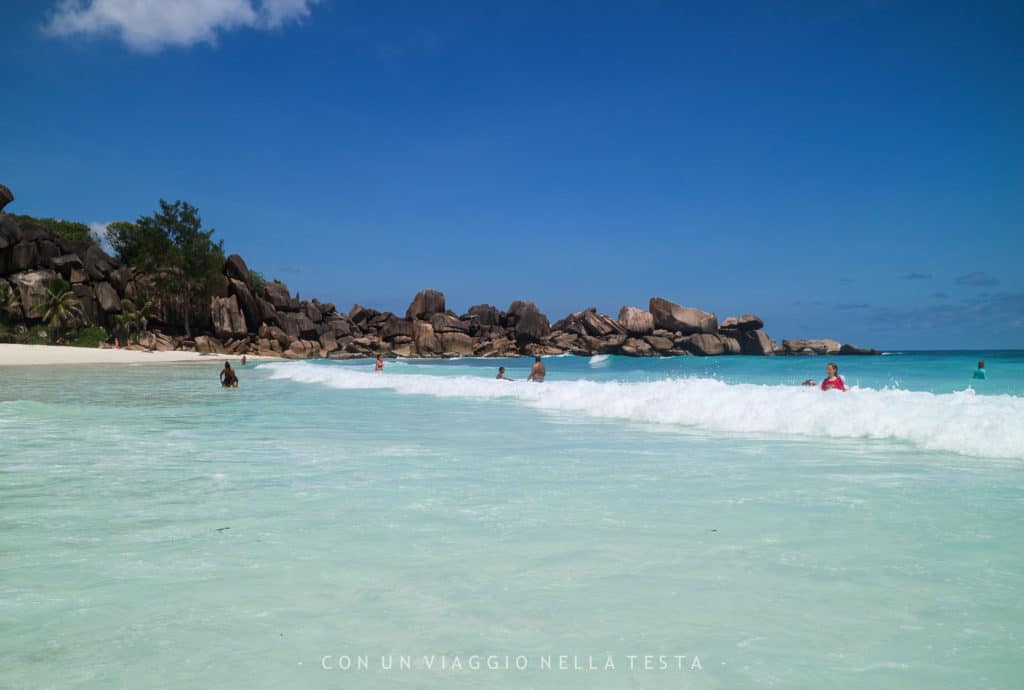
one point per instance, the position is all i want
(6, 196)
(818, 346)
(485, 314)
(273, 321)
(227, 317)
(235, 269)
(31, 287)
(425, 304)
(685, 320)
(742, 324)
(636, 321)
(106, 295)
(277, 295)
(848, 349)
(707, 344)
(530, 325)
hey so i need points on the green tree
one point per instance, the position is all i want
(135, 314)
(259, 283)
(10, 306)
(198, 260)
(144, 245)
(60, 306)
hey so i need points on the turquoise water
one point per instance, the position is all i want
(159, 532)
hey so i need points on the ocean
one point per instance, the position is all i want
(630, 523)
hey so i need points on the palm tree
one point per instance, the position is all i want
(60, 307)
(9, 304)
(135, 314)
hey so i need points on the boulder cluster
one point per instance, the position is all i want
(266, 319)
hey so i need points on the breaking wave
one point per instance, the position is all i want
(963, 422)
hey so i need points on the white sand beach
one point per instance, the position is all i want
(36, 355)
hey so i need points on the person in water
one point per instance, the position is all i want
(243, 360)
(979, 373)
(228, 378)
(809, 382)
(833, 380)
(537, 371)
(378, 366)
(501, 375)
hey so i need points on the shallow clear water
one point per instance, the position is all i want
(696, 507)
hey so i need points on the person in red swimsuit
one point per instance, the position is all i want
(833, 380)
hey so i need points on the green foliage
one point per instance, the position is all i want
(198, 259)
(10, 306)
(76, 233)
(143, 245)
(259, 283)
(36, 337)
(60, 307)
(135, 314)
(90, 337)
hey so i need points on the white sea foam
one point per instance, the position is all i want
(963, 422)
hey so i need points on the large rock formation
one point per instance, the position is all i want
(531, 326)
(32, 286)
(817, 346)
(636, 321)
(227, 317)
(685, 320)
(425, 304)
(235, 268)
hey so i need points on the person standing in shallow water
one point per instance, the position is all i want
(833, 381)
(980, 372)
(228, 378)
(378, 366)
(537, 371)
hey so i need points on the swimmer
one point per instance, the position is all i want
(834, 380)
(378, 366)
(809, 382)
(501, 375)
(537, 371)
(980, 373)
(228, 379)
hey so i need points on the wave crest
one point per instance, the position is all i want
(962, 422)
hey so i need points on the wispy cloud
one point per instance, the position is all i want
(99, 233)
(1004, 308)
(151, 25)
(851, 307)
(916, 276)
(940, 295)
(977, 279)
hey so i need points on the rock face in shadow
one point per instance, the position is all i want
(235, 268)
(31, 287)
(426, 303)
(227, 317)
(6, 196)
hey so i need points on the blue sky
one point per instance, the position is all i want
(853, 169)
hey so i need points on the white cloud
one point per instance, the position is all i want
(151, 25)
(99, 233)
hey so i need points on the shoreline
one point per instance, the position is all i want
(14, 355)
